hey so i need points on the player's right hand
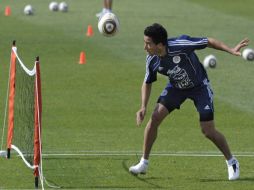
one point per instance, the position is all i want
(140, 115)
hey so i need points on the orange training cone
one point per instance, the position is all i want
(7, 11)
(89, 32)
(82, 58)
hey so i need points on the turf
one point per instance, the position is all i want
(89, 110)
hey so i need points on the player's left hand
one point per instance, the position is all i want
(241, 44)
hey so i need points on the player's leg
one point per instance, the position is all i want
(108, 4)
(169, 100)
(203, 100)
(220, 141)
(150, 135)
(216, 137)
(107, 7)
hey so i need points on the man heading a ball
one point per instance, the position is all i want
(176, 58)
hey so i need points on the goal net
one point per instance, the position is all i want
(24, 108)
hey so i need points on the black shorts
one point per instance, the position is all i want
(202, 96)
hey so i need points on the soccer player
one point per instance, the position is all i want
(176, 58)
(107, 7)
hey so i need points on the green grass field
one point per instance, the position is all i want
(89, 133)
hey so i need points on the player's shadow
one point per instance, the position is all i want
(146, 180)
(149, 181)
(225, 180)
(246, 179)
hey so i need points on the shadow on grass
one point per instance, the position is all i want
(225, 180)
(213, 180)
(148, 181)
(246, 179)
(145, 180)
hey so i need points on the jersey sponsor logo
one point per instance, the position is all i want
(176, 59)
(180, 77)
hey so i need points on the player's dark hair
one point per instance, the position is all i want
(157, 32)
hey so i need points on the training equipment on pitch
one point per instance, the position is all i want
(24, 107)
(53, 6)
(28, 10)
(63, 7)
(108, 24)
(3, 153)
(248, 54)
(210, 61)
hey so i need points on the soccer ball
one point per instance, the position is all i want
(108, 24)
(248, 54)
(53, 6)
(3, 153)
(63, 7)
(210, 61)
(28, 10)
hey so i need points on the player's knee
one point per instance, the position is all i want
(156, 117)
(208, 129)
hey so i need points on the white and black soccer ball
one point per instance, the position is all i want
(28, 10)
(53, 6)
(210, 61)
(248, 54)
(63, 7)
(108, 24)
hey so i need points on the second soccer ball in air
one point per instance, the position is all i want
(210, 61)
(248, 54)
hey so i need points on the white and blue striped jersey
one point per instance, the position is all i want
(181, 63)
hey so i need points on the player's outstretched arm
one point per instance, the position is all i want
(219, 45)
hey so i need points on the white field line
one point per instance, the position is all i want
(134, 153)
